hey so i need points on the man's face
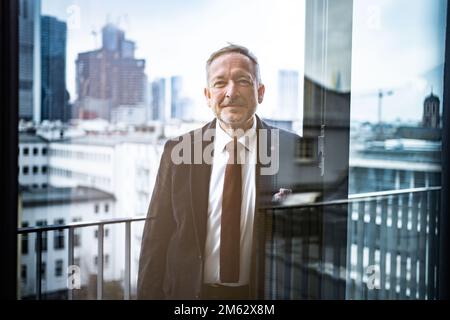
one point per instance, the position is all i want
(233, 90)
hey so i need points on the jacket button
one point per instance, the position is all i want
(200, 257)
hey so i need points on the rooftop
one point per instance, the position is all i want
(110, 140)
(54, 195)
(27, 137)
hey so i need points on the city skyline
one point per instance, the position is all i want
(160, 32)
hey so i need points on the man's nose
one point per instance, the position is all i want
(231, 90)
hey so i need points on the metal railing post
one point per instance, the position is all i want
(414, 245)
(383, 248)
(100, 262)
(70, 259)
(127, 260)
(38, 264)
(360, 290)
(432, 245)
(404, 250)
(392, 248)
(422, 245)
(372, 293)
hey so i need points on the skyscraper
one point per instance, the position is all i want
(112, 37)
(54, 105)
(288, 103)
(158, 99)
(109, 76)
(176, 106)
(27, 22)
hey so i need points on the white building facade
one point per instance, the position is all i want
(33, 161)
(121, 165)
(59, 206)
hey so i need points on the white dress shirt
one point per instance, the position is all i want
(212, 245)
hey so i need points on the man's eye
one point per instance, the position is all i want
(244, 82)
(219, 84)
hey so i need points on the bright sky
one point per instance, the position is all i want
(397, 45)
(395, 42)
(176, 37)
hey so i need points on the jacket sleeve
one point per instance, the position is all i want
(158, 231)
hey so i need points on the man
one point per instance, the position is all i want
(204, 232)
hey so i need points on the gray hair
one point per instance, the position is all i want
(234, 48)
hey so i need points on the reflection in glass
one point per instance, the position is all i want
(361, 81)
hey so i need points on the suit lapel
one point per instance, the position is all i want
(264, 183)
(263, 188)
(199, 176)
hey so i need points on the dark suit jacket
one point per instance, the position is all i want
(171, 260)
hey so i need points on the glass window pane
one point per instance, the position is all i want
(103, 85)
(395, 145)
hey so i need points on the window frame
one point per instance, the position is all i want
(9, 75)
(444, 226)
(9, 162)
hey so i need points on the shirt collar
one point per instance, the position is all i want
(248, 139)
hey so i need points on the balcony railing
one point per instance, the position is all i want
(323, 250)
(381, 245)
(39, 231)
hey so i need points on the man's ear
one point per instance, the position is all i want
(207, 95)
(261, 90)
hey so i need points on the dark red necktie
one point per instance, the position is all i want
(231, 217)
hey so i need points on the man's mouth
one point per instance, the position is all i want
(231, 105)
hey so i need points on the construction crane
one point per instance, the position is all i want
(381, 95)
(95, 36)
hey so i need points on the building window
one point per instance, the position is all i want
(106, 208)
(105, 233)
(24, 239)
(35, 151)
(44, 185)
(58, 240)
(58, 268)
(43, 223)
(35, 186)
(306, 149)
(44, 151)
(35, 169)
(105, 260)
(23, 272)
(43, 270)
(25, 151)
(96, 207)
(25, 170)
(44, 169)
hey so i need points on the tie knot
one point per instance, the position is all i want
(233, 148)
(232, 145)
